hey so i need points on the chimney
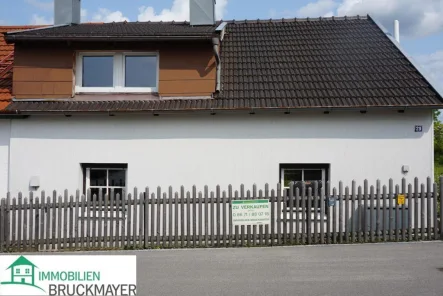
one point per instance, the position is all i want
(67, 12)
(202, 12)
(397, 31)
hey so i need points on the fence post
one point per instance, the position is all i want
(365, 210)
(279, 223)
(410, 212)
(391, 209)
(422, 210)
(19, 221)
(403, 211)
(340, 212)
(346, 208)
(206, 192)
(397, 213)
(359, 214)
(429, 210)
(176, 205)
(386, 205)
(309, 220)
(372, 220)
(416, 217)
(170, 197)
(322, 214)
(378, 211)
(315, 208)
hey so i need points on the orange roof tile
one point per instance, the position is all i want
(5, 50)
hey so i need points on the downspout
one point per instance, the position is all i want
(215, 47)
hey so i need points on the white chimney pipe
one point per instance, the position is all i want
(397, 31)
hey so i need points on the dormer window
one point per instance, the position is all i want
(116, 72)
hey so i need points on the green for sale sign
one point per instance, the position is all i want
(251, 212)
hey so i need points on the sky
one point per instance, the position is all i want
(421, 21)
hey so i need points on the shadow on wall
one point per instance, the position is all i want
(306, 125)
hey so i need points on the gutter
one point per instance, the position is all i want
(215, 47)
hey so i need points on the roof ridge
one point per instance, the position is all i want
(295, 19)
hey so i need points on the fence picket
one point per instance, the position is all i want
(141, 203)
(112, 219)
(315, 209)
(297, 215)
(182, 215)
(164, 211)
(31, 242)
(267, 236)
(47, 222)
(194, 216)
(152, 202)
(428, 209)
(441, 207)
(200, 219)
(37, 224)
(279, 220)
(353, 210)
(386, 205)
(212, 219)
(249, 240)
(206, 192)
(83, 229)
(397, 213)
(170, 197)
(236, 228)
(410, 212)
(25, 224)
(347, 226)
(303, 214)
(329, 212)
(372, 217)
(65, 209)
(176, 237)
(88, 218)
(422, 211)
(309, 220)
(340, 212)
(378, 211)
(434, 211)
(94, 218)
(285, 216)
(19, 221)
(188, 219)
(118, 220)
(59, 224)
(403, 211)
(224, 219)
(291, 213)
(132, 226)
(8, 230)
(254, 227)
(322, 214)
(76, 217)
(260, 227)
(365, 211)
(391, 210)
(2, 225)
(359, 214)
(334, 216)
(105, 220)
(416, 216)
(100, 219)
(146, 218)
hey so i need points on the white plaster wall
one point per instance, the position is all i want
(5, 129)
(222, 149)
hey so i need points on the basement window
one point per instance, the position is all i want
(116, 72)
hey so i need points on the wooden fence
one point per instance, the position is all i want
(189, 219)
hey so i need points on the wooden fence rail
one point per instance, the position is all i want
(306, 214)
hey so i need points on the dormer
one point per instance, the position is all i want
(153, 59)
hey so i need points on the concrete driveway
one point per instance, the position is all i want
(414, 269)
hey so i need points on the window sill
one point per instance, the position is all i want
(115, 90)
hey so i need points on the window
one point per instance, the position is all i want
(117, 72)
(308, 173)
(17, 271)
(103, 177)
(27, 271)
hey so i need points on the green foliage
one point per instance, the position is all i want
(438, 139)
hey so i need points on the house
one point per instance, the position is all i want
(135, 104)
(22, 271)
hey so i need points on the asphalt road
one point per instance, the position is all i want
(402, 269)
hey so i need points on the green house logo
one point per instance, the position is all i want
(22, 273)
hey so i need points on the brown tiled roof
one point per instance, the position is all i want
(5, 56)
(336, 61)
(292, 64)
(122, 30)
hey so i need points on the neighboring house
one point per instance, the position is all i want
(141, 104)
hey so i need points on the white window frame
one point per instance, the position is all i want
(88, 179)
(323, 174)
(118, 73)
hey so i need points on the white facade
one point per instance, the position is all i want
(223, 149)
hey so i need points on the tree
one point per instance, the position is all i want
(438, 138)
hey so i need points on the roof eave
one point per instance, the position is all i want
(13, 38)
